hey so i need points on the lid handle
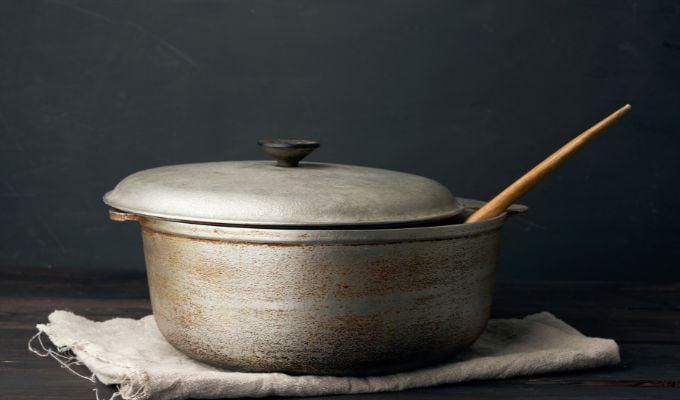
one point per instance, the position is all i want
(288, 152)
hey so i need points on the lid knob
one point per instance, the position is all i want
(288, 152)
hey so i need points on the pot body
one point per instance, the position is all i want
(338, 302)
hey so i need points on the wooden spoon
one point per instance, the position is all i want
(522, 185)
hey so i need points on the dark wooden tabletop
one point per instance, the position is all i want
(643, 318)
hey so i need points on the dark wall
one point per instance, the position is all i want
(470, 93)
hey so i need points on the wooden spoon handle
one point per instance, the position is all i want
(522, 185)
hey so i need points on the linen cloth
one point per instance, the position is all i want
(133, 355)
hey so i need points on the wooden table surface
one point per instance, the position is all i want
(643, 318)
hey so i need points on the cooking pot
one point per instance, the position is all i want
(310, 268)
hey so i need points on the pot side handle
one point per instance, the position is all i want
(472, 204)
(122, 216)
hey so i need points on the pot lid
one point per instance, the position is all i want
(285, 193)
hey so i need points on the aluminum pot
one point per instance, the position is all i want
(337, 300)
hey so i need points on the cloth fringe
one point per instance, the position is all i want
(66, 359)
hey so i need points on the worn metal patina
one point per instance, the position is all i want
(310, 268)
(344, 302)
(263, 194)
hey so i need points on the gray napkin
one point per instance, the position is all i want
(133, 355)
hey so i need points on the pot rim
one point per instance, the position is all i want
(235, 234)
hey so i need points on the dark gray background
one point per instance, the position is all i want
(470, 93)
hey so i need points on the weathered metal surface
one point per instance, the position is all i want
(122, 216)
(342, 302)
(288, 152)
(258, 193)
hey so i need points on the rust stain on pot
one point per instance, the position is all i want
(326, 308)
